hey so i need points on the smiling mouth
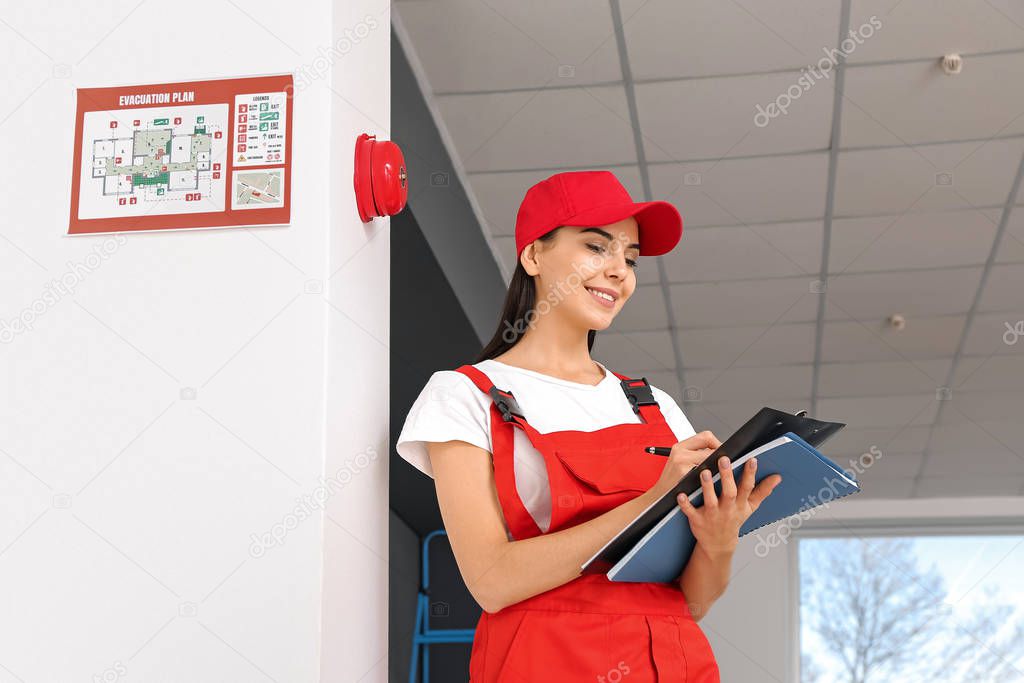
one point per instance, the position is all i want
(603, 298)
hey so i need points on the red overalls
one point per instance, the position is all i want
(591, 629)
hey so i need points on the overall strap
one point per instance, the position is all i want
(505, 412)
(641, 398)
(638, 392)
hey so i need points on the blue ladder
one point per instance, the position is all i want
(423, 635)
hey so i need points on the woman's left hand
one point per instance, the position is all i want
(716, 524)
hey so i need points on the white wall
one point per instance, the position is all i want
(126, 511)
(358, 380)
(752, 627)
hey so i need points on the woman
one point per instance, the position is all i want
(537, 454)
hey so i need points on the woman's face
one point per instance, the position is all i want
(588, 273)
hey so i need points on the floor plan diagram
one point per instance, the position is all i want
(152, 157)
(158, 160)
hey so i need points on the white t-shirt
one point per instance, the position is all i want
(451, 407)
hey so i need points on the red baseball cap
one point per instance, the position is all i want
(594, 198)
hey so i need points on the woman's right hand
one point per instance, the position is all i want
(685, 455)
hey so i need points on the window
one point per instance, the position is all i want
(926, 607)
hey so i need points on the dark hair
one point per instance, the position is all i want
(519, 301)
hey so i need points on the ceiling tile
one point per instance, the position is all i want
(647, 271)
(894, 377)
(754, 251)
(724, 418)
(540, 129)
(465, 44)
(994, 410)
(644, 311)
(725, 117)
(753, 383)
(996, 373)
(1011, 247)
(969, 486)
(879, 411)
(885, 487)
(874, 339)
(852, 440)
(1004, 289)
(926, 178)
(872, 297)
(888, 466)
(911, 240)
(636, 350)
(915, 102)
(702, 37)
(747, 302)
(965, 443)
(930, 28)
(667, 381)
(742, 346)
(734, 191)
(720, 419)
(996, 333)
(1008, 434)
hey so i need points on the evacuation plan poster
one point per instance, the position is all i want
(171, 156)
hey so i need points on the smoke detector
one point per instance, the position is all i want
(897, 321)
(952, 63)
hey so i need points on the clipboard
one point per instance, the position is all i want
(766, 425)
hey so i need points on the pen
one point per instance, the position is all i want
(658, 450)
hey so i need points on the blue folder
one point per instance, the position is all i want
(809, 479)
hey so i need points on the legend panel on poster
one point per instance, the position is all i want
(260, 124)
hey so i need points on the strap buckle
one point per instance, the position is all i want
(506, 403)
(638, 394)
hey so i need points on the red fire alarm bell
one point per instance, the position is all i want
(380, 179)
